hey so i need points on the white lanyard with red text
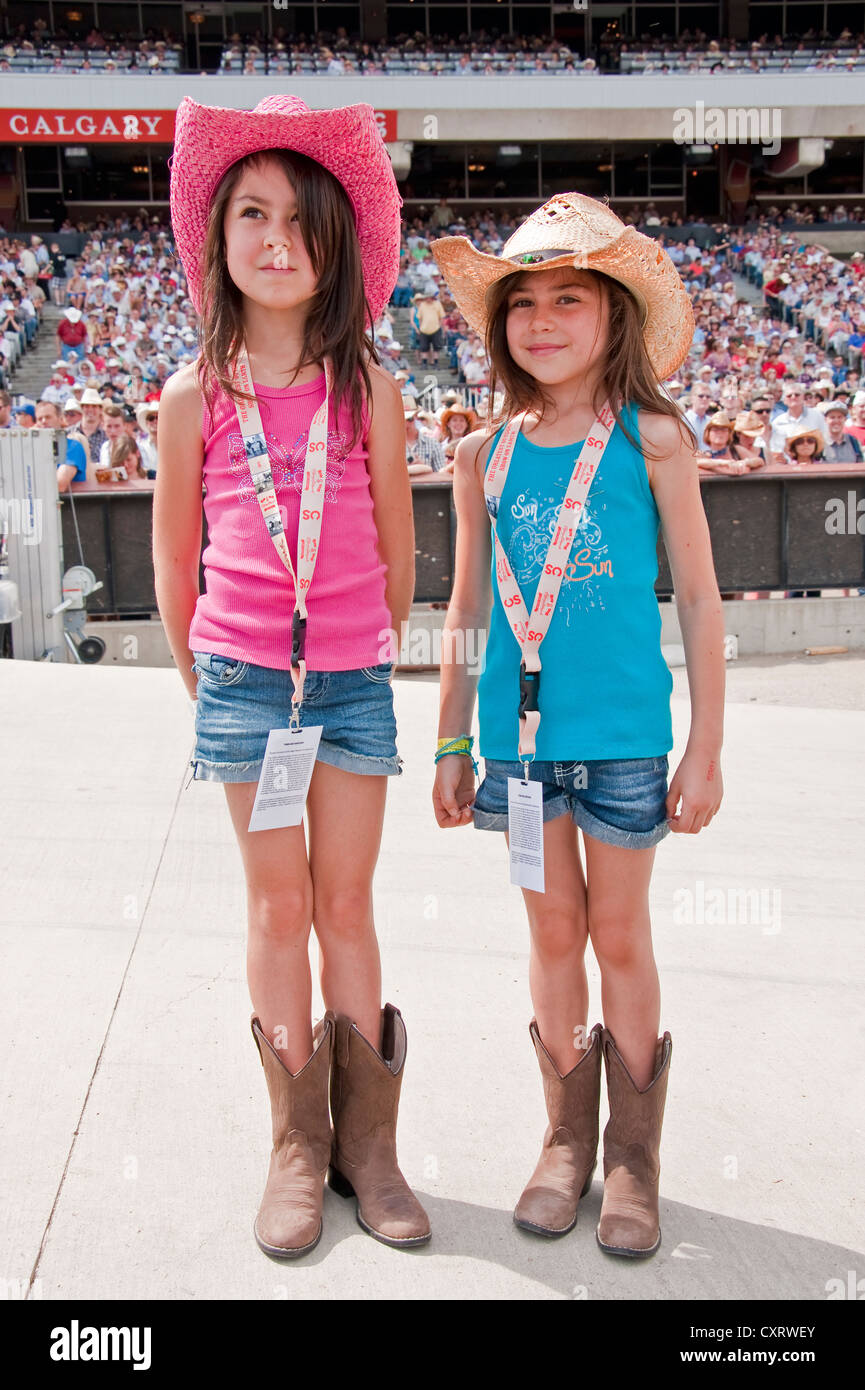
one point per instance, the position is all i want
(530, 633)
(311, 507)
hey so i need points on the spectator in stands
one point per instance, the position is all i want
(720, 454)
(125, 460)
(147, 416)
(25, 415)
(58, 275)
(442, 214)
(424, 454)
(856, 423)
(76, 288)
(456, 421)
(91, 426)
(793, 418)
(841, 447)
(73, 420)
(113, 425)
(748, 435)
(429, 321)
(74, 469)
(5, 410)
(804, 444)
(71, 334)
(761, 407)
(697, 412)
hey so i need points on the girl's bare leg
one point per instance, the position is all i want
(558, 926)
(346, 814)
(279, 909)
(621, 932)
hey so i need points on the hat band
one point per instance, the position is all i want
(530, 257)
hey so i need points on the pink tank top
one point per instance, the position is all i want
(246, 610)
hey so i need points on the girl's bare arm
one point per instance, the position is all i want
(468, 612)
(391, 498)
(177, 514)
(464, 631)
(675, 483)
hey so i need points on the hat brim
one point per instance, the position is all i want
(635, 260)
(208, 140)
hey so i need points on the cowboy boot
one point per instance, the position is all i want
(364, 1099)
(568, 1158)
(289, 1218)
(629, 1212)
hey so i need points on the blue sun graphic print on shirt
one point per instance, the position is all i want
(534, 523)
(605, 687)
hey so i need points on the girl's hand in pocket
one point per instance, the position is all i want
(454, 790)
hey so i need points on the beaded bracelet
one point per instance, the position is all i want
(463, 745)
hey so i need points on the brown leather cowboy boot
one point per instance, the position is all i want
(568, 1158)
(289, 1219)
(364, 1099)
(629, 1212)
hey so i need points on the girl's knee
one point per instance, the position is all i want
(342, 912)
(558, 929)
(618, 942)
(280, 913)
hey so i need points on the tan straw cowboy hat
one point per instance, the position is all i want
(571, 229)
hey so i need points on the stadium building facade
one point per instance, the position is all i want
(708, 143)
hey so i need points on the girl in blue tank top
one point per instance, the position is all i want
(577, 312)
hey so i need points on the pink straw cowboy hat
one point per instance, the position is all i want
(347, 142)
(571, 229)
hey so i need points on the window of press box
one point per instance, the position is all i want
(502, 171)
(842, 170)
(435, 169)
(160, 173)
(566, 165)
(109, 173)
(40, 166)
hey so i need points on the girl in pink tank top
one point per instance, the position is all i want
(288, 225)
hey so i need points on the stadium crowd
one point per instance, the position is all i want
(771, 384)
(338, 53)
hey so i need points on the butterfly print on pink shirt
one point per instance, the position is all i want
(286, 464)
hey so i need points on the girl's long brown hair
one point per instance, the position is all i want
(335, 321)
(626, 378)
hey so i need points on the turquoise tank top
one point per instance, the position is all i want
(605, 687)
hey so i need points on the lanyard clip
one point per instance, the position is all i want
(298, 638)
(529, 684)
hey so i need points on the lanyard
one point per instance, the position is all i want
(311, 507)
(531, 633)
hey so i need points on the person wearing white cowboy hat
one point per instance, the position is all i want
(287, 223)
(582, 318)
(147, 415)
(91, 422)
(70, 334)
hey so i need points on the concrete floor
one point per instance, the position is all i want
(136, 1133)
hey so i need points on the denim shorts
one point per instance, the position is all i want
(618, 800)
(239, 703)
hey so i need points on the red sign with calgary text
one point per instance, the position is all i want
(87, 127)
(113, 127)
